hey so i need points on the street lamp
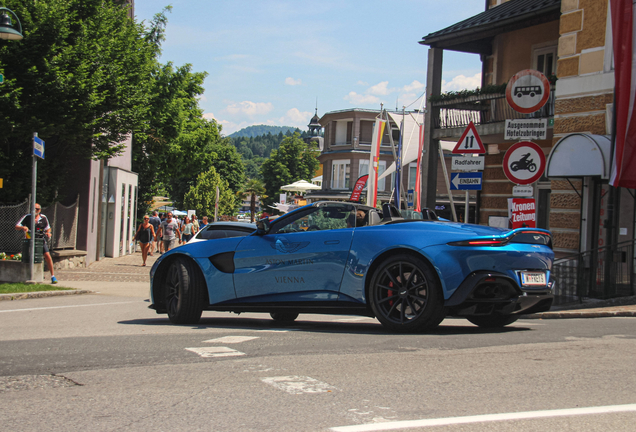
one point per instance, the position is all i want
(7, 30)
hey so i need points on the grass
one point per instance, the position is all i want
(14, 288)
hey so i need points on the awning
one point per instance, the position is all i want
(580, 155)
(410, 144)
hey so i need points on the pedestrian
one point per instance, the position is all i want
(42, 231)
(145, 235)
(188, 230)
(162, 217)
(155, 222)
(204, 222)
(195, 222)
(169, 230)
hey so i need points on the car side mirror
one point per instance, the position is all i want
(262, 226)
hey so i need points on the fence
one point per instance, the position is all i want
(63, 221)
(602, 273)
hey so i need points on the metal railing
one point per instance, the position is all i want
(603, 273)
(483, 109)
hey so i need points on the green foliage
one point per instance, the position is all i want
(462, 94)
(202, 195)
(80, 78)
(294, 160)
(253, 189)
(257, 130)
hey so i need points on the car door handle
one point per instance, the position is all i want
(332, 242)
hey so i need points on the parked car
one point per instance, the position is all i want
(342, 258)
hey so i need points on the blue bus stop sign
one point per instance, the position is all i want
(38, 147)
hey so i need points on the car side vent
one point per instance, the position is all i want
(223, 261)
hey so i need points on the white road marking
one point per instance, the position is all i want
(231, 339)
(353, 319)
(69, 306)
(407, 424)
(208, 352)
(298, 385)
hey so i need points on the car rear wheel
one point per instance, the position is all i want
(405, 295)
(184, 292)
(492, 321)
(284, 316)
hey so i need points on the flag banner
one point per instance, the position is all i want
(398, 168)
(374, 161)
(624, 159)
(358, 187)
(418, 173)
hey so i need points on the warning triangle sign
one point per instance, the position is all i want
(469, 142)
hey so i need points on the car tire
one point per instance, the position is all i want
(405, 295)
(184, 290)
(284, 316)
(492, 321)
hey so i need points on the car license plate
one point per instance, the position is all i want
(533, 278)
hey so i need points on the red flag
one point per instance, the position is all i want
(623, 173)
(357, 189)
(418, 174)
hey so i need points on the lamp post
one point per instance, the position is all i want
(7, 30)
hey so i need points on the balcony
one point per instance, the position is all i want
(482, 109)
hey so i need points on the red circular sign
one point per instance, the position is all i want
(524, 163)
(528, 91)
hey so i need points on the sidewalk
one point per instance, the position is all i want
(125, 277)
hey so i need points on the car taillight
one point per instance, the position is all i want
(493, 242)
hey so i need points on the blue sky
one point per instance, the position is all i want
(269, 61)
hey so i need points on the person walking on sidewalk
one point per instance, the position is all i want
(155, 222)
(169, 229)
(188, 230)
(145, 235)
(42, 231)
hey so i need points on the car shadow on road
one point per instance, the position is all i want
(300, 325)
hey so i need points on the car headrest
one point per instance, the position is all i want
(374, 218)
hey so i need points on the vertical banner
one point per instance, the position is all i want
(357, 188)
(418, 173)
(374, 162)
(398, 169)
(624, 159)
(522, 213)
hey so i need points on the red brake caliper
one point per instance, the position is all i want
(390, 293)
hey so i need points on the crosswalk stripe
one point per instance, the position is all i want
(231, 339)
(299, 384)
(208, 352)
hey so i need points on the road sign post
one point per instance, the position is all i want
(469, 143)
(38, 152)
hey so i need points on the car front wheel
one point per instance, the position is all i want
(184, 292)
(405, 295)
(492, 321)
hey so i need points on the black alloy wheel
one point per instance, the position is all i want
(493, 320)
(405, 295)
(184, 292)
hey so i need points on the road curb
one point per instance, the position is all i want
(41, 294)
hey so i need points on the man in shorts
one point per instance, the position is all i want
(169, 229)
(42, 231)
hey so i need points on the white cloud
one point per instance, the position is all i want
(461, 82)
(292, 82)
(249, 108)
(209, 116)
(358, 99)
(414, 86)
(380, 89)
(362, 83)
(297, 117)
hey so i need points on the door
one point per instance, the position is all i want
(302, 257)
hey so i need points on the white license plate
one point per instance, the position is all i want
(533, 279)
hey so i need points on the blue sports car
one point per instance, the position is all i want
(344, 258)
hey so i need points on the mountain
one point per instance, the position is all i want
(258, 130)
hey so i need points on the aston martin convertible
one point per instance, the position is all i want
(344, 258)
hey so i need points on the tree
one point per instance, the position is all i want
(202, 196)
(253, 188)
(294, 160)
(80, 78)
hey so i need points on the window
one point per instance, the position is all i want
(412, 176)
(343, 132)
(366, 132)
(325, 217)
(212, 232)
(544, 60)
(340, 174)
(364, 169)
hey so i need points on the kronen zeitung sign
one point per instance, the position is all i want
(522, 212)
(526, 129)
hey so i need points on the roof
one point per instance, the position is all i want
(512, 15)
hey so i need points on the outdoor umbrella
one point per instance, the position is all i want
(300, 186)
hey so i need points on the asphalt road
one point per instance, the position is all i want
(107, 363)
